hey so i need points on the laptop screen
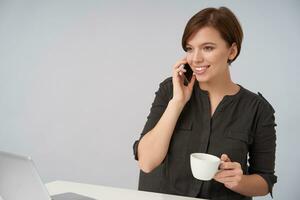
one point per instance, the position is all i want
(19, 179)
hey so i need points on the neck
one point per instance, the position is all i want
(220, 86)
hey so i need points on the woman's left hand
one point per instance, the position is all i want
(230, 173)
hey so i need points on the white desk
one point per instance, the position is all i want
(107, 193)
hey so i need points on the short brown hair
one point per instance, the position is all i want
(221, 19)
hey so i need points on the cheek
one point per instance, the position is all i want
(216, 57)
(189, 58)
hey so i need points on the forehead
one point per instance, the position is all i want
(205, 35)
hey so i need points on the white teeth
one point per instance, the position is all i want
(200, 68)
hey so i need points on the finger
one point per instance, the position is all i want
(230, 185)
(227, 165)
(192, 82)
(179, 63)
(224, 173)
(228, 179)
(181, 67)
(225, 158)
(180, 70)
(223, 180)
(230, 165)
(229, 173)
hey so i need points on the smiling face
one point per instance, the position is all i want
(208, 54)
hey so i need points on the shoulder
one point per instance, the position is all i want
(166, 82)
(257, 100)
(166, 85)
(165, 90)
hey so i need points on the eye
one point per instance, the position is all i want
(208, 48)
(188, 49)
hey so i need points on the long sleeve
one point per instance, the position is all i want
(162, 98)
(262, 151)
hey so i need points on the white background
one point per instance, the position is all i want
(77, 79)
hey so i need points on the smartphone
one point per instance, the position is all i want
(188, 74)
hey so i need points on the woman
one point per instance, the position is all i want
(212, 114)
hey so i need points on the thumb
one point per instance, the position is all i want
(225, 158)
(192, 82)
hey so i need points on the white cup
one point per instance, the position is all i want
(204, 166)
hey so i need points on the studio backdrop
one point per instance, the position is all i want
(77, 79)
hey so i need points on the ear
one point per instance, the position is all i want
(233, 51)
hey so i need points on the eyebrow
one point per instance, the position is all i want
(205, 43)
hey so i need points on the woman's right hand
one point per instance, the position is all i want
(181, 93)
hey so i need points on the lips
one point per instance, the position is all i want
(202, 69)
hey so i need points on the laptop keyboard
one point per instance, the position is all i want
(70, 196)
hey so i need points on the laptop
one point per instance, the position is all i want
(19, 180)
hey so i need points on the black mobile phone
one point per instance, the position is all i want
(188, 74)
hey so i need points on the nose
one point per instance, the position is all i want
(197, 57)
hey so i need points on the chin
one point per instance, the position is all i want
(202, 79)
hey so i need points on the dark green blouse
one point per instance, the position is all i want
(242, 126)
